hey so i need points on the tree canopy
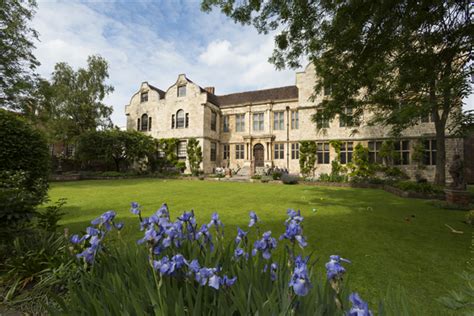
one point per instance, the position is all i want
(17, 62)
(400, 59)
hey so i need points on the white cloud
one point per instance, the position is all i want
(231, 57)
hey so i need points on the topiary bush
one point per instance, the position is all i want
(24, 170)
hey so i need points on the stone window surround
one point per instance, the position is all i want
(295, 121)
(240, 122)
(239, 151)
(402, 150)
(144, 96)
(279, 120)
(279, 151)
(258, 121)
(323, 153)
(181, 90)
(295, 150)
(347, 149)
(225, 151)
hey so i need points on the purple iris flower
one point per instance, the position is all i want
(294, 232)
(226, 281)
(75, 239)
(299, 280)
(253, 218)
(265, 245)
(294, 216)
(174, 234)
(151, 235)
(163, 211)
(119, 226)
(135, 209)
(273, 269)
(359, 307)
(179, 261)
(241, 235)
(165, 266)
(188, 217)
(88, 254)
(334, 269)
(239, 252)
(215, 221)
(205, 235)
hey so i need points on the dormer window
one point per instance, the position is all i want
(181, 91)
(144, 97)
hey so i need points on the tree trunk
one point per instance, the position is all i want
(117, 164)
(440, 175)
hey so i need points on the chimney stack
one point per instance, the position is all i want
(210, 89)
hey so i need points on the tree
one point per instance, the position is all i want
(120, 147)
(399, 59)
(194, 152)
(17, 62)
(78, 97)
(307, 157)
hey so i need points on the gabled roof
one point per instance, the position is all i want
(274, 94)
(160, 92)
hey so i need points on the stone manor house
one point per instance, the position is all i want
(252, 130)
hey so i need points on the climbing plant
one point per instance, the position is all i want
(194, 155)
(307, 157)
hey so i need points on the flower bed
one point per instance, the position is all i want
(180, 267)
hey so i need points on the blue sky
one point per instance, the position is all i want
(155, 41)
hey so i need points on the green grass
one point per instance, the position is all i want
(366, 226)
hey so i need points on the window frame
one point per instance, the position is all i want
(180, 121)
(349, 120)
(402, 152)
(295, 151)
(295, 120)
(182, 148)
(279, 120)
(240, 122)
(144, 122)
(239, 151)
(429, 152)
(260, 122)
(278, 151)
(180, 90)
(213, 121)
(213, 154)
(346, 153)
(323, 153)
(323, 122)
(374, 152)
(225, 151)
(225, 124)
(144, 97)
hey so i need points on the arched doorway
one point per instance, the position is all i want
(258, 152)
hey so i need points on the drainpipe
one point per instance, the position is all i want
(288, 138)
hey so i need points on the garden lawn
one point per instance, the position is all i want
(391, 241)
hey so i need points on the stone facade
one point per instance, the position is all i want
(253, 129)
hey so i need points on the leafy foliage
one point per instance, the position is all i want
(411, 59)
(24, 169)
(462, 300)
(425, 187)
(164, 157)
(336, 167)
(194, 152)
(49, 218)
(78, 98)
(120, 147)
(360, 167)
(289, 178)
(17, 62)
(307, 157)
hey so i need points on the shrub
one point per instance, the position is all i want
(112, 174)
(324, 177)
(256, 177)
(276, 175)
(289, 178)
(425, 188)
(24, 170)
(307, 158)
(395, 173)
(49, 218)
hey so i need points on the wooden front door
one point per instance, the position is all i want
(258, 155)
